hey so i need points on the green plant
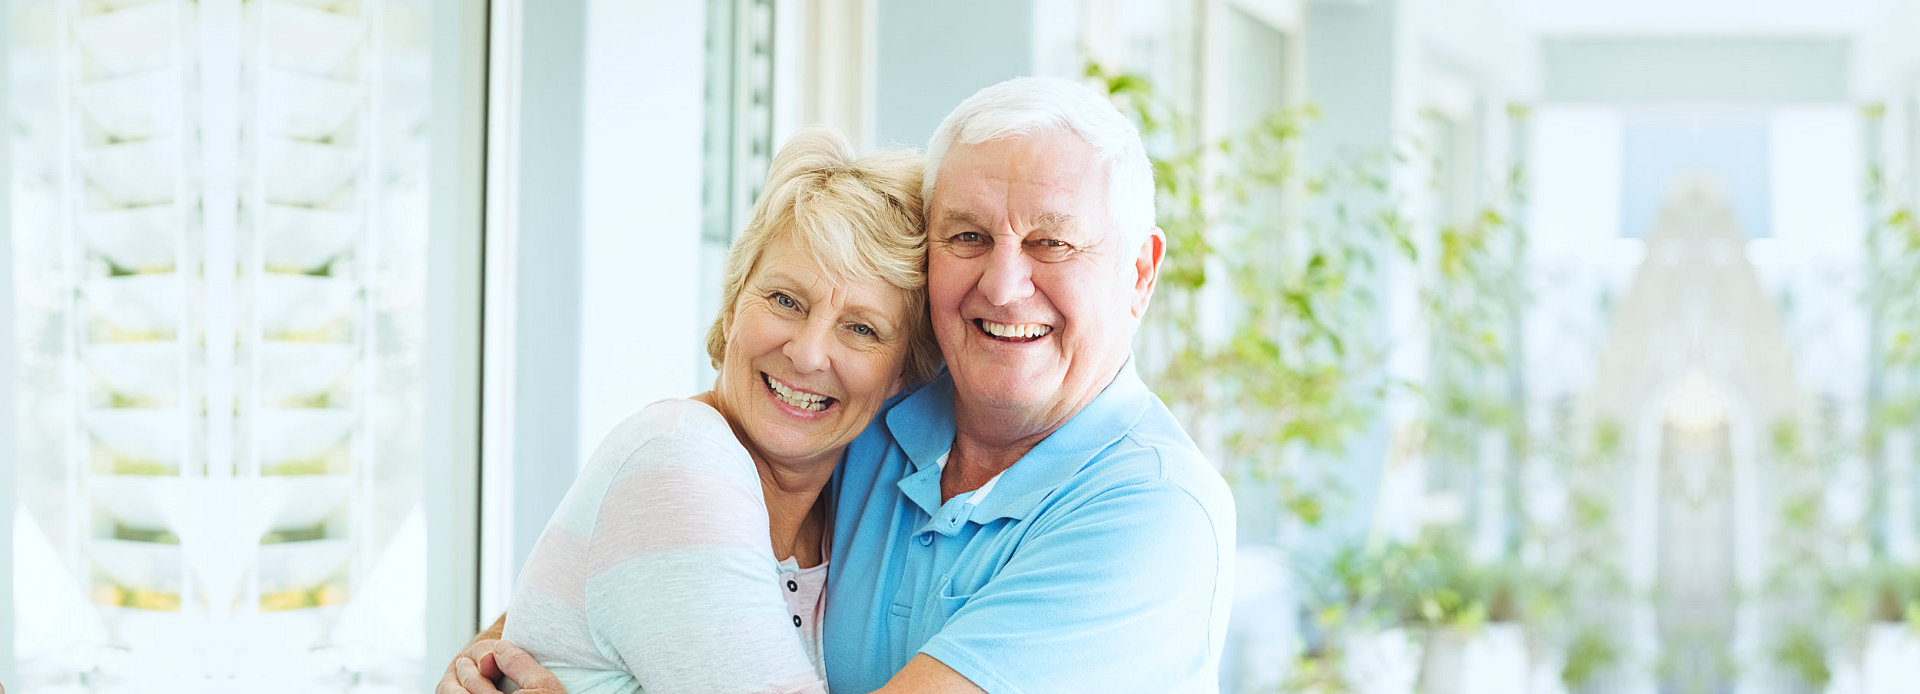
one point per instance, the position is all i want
(1283, 372)
(1892, 298)
(1577, 587)
(1881, 592)
(1590, 652)
(1804, 653)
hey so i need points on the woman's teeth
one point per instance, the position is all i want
(1015, 331)
(806, 401)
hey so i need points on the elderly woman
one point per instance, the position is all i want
(691, 553)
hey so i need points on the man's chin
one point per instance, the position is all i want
(1005, 389)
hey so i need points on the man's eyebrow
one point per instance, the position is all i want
(964, 217)
(1054, 221)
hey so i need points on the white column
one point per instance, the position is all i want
(1900, 518)
(1490, 506)
(453, 327)
(546, 292)
(1358, 68)
(7, 379)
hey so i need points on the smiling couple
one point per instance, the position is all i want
(840, 508)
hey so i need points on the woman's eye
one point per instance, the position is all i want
(863, 330)
(785, 301)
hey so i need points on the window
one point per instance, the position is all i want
(223, 215)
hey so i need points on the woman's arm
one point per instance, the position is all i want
(681, 581)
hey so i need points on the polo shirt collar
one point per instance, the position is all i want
(923, 426)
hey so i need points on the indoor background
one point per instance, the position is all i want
(1548, 345)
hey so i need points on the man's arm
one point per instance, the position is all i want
(927, 675)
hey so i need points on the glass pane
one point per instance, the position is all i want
(219, 216)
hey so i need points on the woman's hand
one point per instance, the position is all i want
(486, 660)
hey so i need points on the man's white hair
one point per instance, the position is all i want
(1028, 105)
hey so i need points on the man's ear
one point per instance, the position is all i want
(1146, 267)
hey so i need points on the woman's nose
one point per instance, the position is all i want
(808, 348)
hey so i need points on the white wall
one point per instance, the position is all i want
(1816, 251)
(1886, 58)
(1574, 251)
(934, 55)
(600, 288)
(640, 337)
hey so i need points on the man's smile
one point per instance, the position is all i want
(1012, 332)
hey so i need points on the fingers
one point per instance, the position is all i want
(470, 677)
(479, 648)
(489, 666)
(521, 667)
(450, 683)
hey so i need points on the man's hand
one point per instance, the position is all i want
(472, 672)
(478, 656)
(487, 658)
(471, 675)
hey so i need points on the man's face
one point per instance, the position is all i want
(1033, 290)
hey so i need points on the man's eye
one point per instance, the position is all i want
(785, 301)
(1049, 250)
(969, 244)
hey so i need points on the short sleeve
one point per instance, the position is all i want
(1116, 594)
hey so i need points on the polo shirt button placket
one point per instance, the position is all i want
(926, 539)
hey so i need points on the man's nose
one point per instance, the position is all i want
(1008, 277)
(808, 348)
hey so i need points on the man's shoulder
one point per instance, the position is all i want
(1157, 449)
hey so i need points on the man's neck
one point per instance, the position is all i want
(988, 440)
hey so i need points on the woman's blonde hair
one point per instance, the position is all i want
(858, 216)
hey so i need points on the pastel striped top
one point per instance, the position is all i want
(656, 573)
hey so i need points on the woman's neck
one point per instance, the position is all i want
(796, 517)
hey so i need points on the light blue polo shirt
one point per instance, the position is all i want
(1101, 561)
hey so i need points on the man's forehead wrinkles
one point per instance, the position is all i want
(1052, 220)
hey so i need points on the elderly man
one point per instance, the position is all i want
(1034, 519)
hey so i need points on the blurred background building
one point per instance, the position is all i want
(1549, 346)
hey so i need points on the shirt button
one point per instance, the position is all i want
(796, 620)
(926, 539)
(793, 587)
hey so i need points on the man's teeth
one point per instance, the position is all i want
(1016, 330)
(805, 401)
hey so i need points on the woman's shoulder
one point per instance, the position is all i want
(675, 431)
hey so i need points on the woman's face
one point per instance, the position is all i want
(809, 357)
